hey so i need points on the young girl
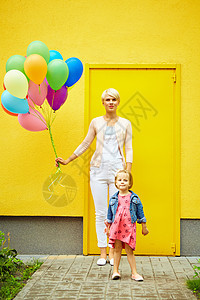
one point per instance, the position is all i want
(125, 208)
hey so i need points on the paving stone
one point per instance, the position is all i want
(79, 277)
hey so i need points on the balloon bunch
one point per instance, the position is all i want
(37, 85)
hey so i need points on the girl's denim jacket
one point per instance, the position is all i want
(136, 208)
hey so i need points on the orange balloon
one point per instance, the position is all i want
(35, 67)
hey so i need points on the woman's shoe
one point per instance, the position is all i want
(101, 262)
(116, 276)
(111, 261)
(137, 277)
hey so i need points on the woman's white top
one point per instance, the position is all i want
(110, 146)
(97, 128)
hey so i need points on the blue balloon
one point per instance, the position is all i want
(75, 67)
(55, 55)
(14, 104)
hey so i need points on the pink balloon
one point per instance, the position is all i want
(33, 121)
(30, 102)
(37, 93)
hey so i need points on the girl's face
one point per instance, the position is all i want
(122, 182)
(110, 103)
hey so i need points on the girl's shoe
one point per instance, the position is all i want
(116, 276)
(101, 262)
(111, 262)
(137, 277)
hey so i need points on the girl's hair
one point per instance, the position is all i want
(111, 92)
(130, 177)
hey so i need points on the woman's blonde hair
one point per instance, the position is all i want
(125, 172)
(111, 92)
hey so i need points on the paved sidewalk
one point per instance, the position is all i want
(78, 277)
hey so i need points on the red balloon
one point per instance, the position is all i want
(8, 112)
(4, 86)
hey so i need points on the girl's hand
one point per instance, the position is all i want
(61, 161)
(106, 223)
(145, 231)
(107, 231)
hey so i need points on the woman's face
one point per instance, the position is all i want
(110, 103)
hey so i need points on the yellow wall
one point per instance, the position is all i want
(114, 31)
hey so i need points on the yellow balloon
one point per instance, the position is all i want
(35, 67)
(16, 83)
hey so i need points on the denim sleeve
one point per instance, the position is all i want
(140, 213)
(109, 215)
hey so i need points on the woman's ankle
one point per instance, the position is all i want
(103, 256)
(103, 253)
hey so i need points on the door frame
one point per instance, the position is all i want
(176, 142)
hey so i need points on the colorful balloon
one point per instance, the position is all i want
(32, 121)
(57, 73)
(14, 104)
(38, 47)
(35, 67)
(37, 93)
(55, 55)
(56, 98)
(16, 62)
(8, 112)
(16, 83)
(30, 103)
(75, 67)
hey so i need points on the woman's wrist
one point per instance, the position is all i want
(128, 166)
(67, 161)
(71, 158)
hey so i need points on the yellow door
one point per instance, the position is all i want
(150, 100)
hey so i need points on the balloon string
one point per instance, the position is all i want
(53, 98)
(50, 112)
(54, 148)
(46, 112)
(38, 117)
(53, 119)
(36, 111)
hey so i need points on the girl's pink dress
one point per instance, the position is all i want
(122, 229)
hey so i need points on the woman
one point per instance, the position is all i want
(112, 133)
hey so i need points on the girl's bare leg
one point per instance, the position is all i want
(131, 259)
(117, 255)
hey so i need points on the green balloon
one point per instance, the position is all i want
(39, 48)
(16, 62)
(57, 73)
